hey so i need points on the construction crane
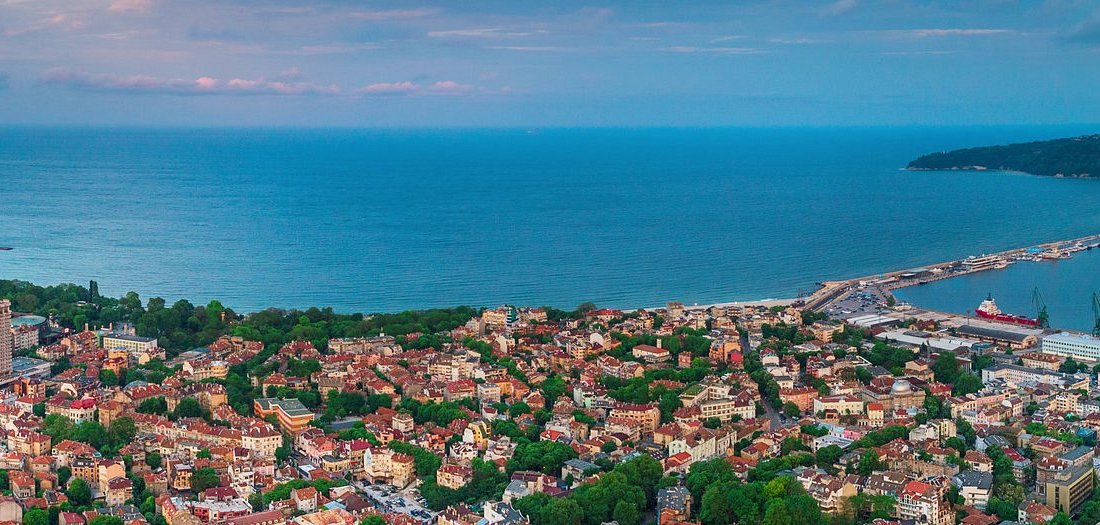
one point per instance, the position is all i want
(1096, 314)
(1041, 314)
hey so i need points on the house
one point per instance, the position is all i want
(974, 487)
(673, 504)
(454, 476)
(305, 499)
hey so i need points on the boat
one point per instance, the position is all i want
(985, 262)
(5, 248)
(988, 310)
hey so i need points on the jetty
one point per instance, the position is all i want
(831, 291)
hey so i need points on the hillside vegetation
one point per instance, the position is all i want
(1070, 157)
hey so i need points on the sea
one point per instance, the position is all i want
(1063, 286)
(375, 220)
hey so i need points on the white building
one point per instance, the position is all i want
(1079, 347)
(129, 343)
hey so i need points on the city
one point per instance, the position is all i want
(842, 408)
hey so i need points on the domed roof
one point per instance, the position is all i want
(901, 386)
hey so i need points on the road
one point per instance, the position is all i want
(776, 420)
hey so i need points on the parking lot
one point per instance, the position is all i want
(391, 500)
(860, 301)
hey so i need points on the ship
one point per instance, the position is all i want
(976, 264)
(988, 310)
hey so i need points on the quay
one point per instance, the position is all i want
(831, 291)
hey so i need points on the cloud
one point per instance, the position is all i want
(531, 49)
(794, 41)
(716, 50)
(450, 87)
(54, 20)
(1088, 31)
(205, 85)
(841, 7)
(485, 32)
(389, 88)
(130, 6)
(931, 33)
(392, 14)
(727, 38)
(405, 88)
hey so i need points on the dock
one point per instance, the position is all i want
(830, 291)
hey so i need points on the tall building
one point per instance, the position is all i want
(1065, 482)
(5, 338)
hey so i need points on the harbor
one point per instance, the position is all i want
(1011, 288)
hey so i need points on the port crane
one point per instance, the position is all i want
(1041, 314)
(1096, 314)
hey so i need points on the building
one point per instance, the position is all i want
(673, 505)
(648, 415)
(1006, 338)
(1065, 482)
(1079, 347)
(893, 394)
(974, 487)
(844, 405)
(924, 503)
(293, 416)
(5, 338)
(1015, 375)
(1040, 360)
(129, 343)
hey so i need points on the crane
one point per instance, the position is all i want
(1096, 314)
(1040, 308)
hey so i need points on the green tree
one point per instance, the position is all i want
(189, 407)
(716, 507)
(967, 384)
(79, 493)
(827, 457)
(1061, 518)
(776, 513)
(108, 377)
(36, 516)
(946, 368)
(373, 520)
(204, 478)
(791, 409)
(104, 519)
(153, 405)
(869, 462)
(153, 459)
(627, 513)
(544, 456)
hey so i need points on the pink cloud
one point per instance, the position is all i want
(204, 85)
(450, 87)
(130, 6)
(393, 14)
(390, 88)
(287, 83)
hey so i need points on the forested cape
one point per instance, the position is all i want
(1069, 157)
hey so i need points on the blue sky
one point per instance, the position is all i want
(563, 63)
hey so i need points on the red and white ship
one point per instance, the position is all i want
(988, 310)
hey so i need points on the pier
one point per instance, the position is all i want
(831, 291)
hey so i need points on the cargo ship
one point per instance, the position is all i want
(988, 310)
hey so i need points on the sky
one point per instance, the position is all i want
(554, 63)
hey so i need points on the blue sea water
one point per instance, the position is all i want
(1065, 287)
(383, 220)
